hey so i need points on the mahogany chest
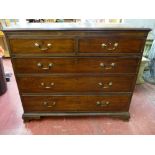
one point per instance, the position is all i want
(76, 71)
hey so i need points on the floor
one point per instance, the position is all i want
(142, 120)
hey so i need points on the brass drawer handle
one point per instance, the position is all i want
(112, 65)
(40, 65)
(48, 104)
(109, 46)
(46, 86)
(102, 103)
(41, 47)
(105, 85)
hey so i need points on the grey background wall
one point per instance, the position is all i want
(143, 23)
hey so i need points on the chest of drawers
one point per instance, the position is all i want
(76, 72)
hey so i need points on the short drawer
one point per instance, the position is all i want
(76, 65)
(76, 103)
(68, 83)
(110, 44)
(33, 46)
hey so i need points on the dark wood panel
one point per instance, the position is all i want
(50, 84)
(125, 32)
(76, 65)
(124, 115)
(27, 46)
(110, 44)
(75, 103)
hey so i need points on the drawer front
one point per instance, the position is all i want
(115, 45)
(53, 84)
(75, 103)
(27, 46)
(76, 65)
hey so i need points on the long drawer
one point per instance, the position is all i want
(34, 46)
(76, 103)
(69, 83)
(110, 44)
(76, 65)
